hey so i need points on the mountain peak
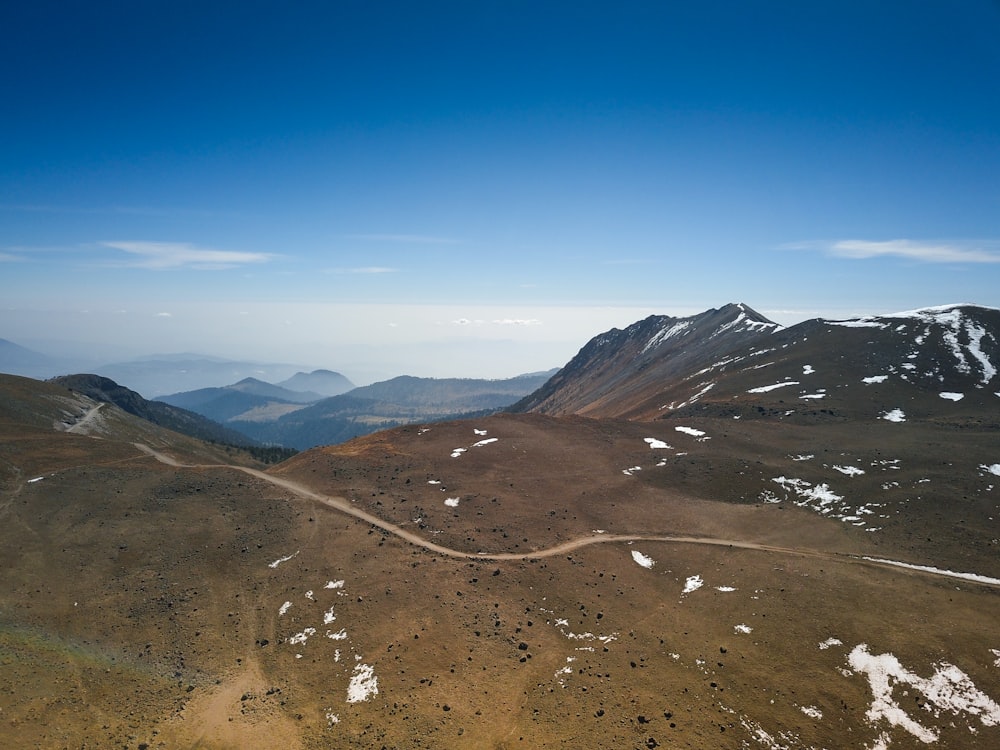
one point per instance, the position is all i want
(731, 356)
(325, 382)
(599, 380)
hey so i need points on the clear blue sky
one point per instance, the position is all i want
(477, 188)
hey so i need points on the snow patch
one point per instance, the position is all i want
(851, 471)
(284, 608)
(830, 642)
(823, 500)
(949, 689)
(303, 636)
(896, 415)
(875, 379)
(929, 569)
(952, 396)
(643, 560)
(692, 432)
(862, 323)
(280, 560)
(774, 387)
(451, 502)
(693, 583)
(655, 443)
(364, 684)
(742, 628)
(665, 334)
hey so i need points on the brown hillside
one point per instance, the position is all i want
(547, 593)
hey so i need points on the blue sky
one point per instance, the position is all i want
(476, 189)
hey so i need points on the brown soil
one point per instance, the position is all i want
(141, 603)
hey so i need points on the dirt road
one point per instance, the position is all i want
(344, 505)
(77, 427)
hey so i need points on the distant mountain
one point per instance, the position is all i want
(249, 399)
(448, 395)
(165, 374)
(19, 360)
(324, 382)
(401, 400)
(621, 372)
(256, 387)
(733, 362)
(179, 420)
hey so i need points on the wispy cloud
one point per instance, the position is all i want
(9, 258)
(412, 239)
(45, 208)
(926, 252)
(170, 255)
(48, 208)
(498, 322)
(364, 269)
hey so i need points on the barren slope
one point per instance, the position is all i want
(199, 606)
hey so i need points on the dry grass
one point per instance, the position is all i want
(139, 605)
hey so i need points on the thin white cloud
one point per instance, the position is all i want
(365, 270)
(170, 255)
(926, 252)
(118, 209)
(413, 239)
(164, 315)
(8, 258)
(498, 322)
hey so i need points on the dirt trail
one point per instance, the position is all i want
(344, 506)
(77, 427)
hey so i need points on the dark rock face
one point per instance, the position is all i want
(618, 370)
(734, 362)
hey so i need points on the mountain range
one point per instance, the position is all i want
(705, 532)
(732, 361)
(361, 411)
(159, 374)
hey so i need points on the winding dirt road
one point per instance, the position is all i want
(344, 506)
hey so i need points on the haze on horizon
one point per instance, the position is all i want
(476, 190)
